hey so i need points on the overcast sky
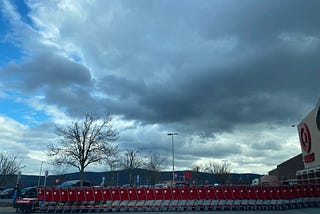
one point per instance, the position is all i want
(229, 76)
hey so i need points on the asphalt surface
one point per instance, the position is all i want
(6, 208)
(5, 202)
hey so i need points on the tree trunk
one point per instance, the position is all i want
(131, 176)
(81, 177)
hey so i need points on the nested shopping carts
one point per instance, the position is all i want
(193, 198)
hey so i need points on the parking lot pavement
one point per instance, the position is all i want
(292, 211)
(4, 210)
(7, 210)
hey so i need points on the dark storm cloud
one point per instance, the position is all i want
(121, 88)
(265, 88)
(257, 23)
(77, 100)
(263, 73)
(48, 70)
(63, 82)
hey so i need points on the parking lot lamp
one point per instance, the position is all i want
(172, 134)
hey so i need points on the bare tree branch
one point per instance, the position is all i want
(132, 159)
(221, 171)
(83, 143)
(10, 165)
(155, 163)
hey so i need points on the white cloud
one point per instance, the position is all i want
(11, 136)
(300, 42)
(27, 143)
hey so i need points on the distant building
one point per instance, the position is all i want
(289, 168)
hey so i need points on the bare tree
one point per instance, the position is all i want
(83, 143)
(113, 162)
(221, 171)
(9, 165)
(155, 163)
(132, 159)
(59, 169)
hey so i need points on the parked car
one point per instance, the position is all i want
(126, 185)
(73, 183)
(180, 184)
(161, 186)
(7, 193)
(2, 188)
(29, 192)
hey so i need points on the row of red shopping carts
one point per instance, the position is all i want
(95, 199)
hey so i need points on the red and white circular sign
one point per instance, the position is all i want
(305, 137)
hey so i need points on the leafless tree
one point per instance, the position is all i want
(113, 162)
(10, 164)
(155, 163)
(59, 169)
(220, 170)
(197, 168)
(86, 142)
(132, 159)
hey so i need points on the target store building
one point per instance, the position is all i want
(309, 136)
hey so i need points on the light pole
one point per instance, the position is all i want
(40, 173)
(172, 137)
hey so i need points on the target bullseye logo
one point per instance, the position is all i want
(305, 137)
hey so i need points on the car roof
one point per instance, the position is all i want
(8, 189)
(28, 188)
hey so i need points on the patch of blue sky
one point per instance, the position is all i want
(9, 53)
(75, 57)
(23, 9)
(21, 112)
(8, 50)
(4, 23)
